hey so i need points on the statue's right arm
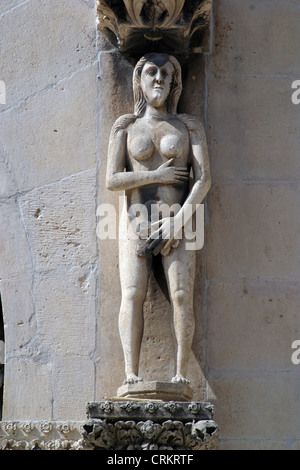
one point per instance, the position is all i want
(117, 179)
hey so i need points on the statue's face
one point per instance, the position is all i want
(156, 82)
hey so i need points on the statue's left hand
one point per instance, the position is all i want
(165, 234)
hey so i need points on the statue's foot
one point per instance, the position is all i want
(132, 379)
(180, 379)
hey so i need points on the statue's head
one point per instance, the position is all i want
(157, 78)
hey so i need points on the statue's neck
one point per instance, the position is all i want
(152, 112)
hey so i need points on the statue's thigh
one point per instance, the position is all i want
(134, 270)
(179, 267)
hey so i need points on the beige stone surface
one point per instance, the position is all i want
(8, 182)
(7, 5)
(15, 254)
(52, 135)
(65, 298)
(248, 444)
(44, 42)
(253, 231)
(60, 220)
(20, 321)
(28, 388)
(255, 37)
(252, 248)
(252, 324)
(253, 129)
(49, 142)
(73, 385)
(256, 405)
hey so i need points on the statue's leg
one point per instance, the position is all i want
(134, 275)
(179, 268)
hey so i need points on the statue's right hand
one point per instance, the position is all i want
(169, 174)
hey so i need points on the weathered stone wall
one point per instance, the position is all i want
(48, 148)
(252, 247)
(59, 284)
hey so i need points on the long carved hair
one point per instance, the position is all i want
(139, 99)
(176, 85)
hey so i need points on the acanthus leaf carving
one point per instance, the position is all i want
(134, 9)
(150, 435)
(174, 8)
(173, 26)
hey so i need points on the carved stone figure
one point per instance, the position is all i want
(151, 155)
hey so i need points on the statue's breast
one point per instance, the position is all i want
(142, 147)
(171, 146)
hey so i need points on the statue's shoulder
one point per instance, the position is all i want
(193, 123)
(122, 123)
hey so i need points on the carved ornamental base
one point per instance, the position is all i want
(119, 425)
(150, 425)
(42, 435)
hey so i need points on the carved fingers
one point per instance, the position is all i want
(169, 174)
(164, 236)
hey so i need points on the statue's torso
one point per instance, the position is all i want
(150, 143)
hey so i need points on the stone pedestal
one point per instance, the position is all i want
(166, 391)
(150, 425)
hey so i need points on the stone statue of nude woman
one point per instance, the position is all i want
(151, 154)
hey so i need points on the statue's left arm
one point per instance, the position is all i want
(200, 165)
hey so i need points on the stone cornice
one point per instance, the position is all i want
(144, 409)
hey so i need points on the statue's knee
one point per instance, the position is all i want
(133, 294)
(181, 298)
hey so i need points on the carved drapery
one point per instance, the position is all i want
(173, 26)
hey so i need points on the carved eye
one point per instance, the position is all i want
(152, 72)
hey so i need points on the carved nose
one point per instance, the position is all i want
(159, 78)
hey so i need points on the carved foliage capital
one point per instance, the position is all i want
(173, 26)
(150, 434)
